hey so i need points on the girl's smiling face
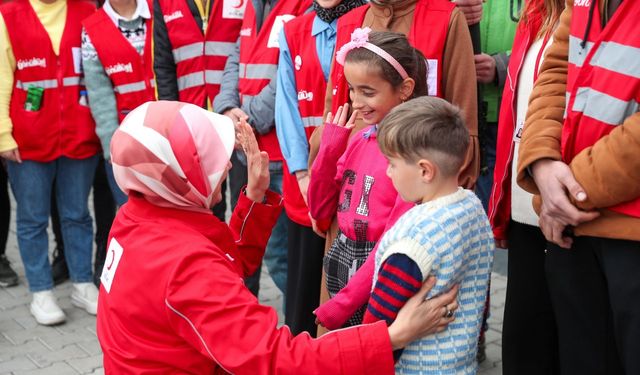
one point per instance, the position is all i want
(370, 93)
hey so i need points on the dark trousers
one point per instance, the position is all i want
(304, 274)
(5, 210)
(595, 292)
(105, 211)
(529, 338)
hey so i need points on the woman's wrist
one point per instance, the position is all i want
(256, 195)
(398, 341)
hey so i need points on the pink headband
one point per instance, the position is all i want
(360, 39)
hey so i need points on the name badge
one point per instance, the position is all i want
(234, 9)
(278, 24)
(114, 254)
(517, 134)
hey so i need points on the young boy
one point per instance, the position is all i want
(446, 234)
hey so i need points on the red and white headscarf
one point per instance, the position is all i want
(175, 154)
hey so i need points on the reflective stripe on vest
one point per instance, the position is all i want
(258, 71)
(603, 107)
(190, 80)
(219, 48)
(187, 52)
(194, 50)
(577, 54)
(45, 84)
(213, 77)
(618, 58)
(50, 83)
(312, 121)
(130, 87)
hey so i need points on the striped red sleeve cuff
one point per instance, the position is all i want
(399, 278)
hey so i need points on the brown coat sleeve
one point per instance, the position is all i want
(609, 171)
(543, 125)
(460, 88)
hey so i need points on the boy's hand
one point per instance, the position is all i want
(257, 162)
(314, 226)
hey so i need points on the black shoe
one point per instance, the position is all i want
(8, 276)
(481, 356)
(59, 269)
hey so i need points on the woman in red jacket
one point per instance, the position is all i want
(529, 339)
(172, 298)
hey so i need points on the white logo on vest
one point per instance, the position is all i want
(173, 16)
(298, 62)
(234, 9)
(305, 95)
(32, 63)
(119, 68)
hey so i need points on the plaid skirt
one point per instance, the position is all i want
(341, 262)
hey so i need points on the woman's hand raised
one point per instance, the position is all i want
(257, 162)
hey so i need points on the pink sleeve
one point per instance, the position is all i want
(335, 312)
(209, 307)
(324, 187)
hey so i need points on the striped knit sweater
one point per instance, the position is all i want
(450, 238)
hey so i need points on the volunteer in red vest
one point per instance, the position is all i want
(580, 151)
(248, 91)
(306, 51)
(192, 40)
(195, 314)
(529, 334)
(116, 57)
(449, 53)
(48, 137)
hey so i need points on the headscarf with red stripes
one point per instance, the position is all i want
(174, 154)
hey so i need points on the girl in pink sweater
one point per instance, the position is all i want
(349, 175)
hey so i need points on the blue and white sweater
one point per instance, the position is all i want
(450, 238)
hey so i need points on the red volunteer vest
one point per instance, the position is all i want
(428, 34)
(311, 87)
(603, 82)
(62, 126)
(259, 58)
(500, 201)
(131, 74)
(200, 58)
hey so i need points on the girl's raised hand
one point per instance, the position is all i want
(341, 117)
(257, 162)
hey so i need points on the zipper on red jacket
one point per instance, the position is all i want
(61, 96)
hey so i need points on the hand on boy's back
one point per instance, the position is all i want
(236, 114)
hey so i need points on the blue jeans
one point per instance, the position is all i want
(275, 256)
(32, 184)
(118, 195)
(485, 180)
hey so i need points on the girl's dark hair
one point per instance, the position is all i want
(397, 45)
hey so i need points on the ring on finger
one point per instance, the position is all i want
(448, 313)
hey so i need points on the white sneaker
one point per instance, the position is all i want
(45, 308)
(85, 296)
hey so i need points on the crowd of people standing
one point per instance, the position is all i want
(348, 136)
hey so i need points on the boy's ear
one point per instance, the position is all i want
(406, 88)
(428, 170)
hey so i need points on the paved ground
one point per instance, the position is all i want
(72, 348)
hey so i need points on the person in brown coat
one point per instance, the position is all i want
(580, 152)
